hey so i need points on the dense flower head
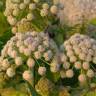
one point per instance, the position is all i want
(27, 50)
(26, 10)
(79, 53)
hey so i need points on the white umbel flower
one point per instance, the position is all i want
(30, 62)
(18, 61)
(54, 9)
(42, 70)
(5, 63)
(82, 78)
(30, 16)
(90, 73)
(26, 1)
(27, 75)
(10, 72)
(32, 6)
(45, 6)
(69, 73)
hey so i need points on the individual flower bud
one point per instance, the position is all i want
(14, 30)
(45, 6)
(73, 59)
(77, 51)
(5, 63)
(22, 6)
(63, 58)
(10, 72)
(15, 12)
(82, 56)
(66, 65)
(21, 49)
(26, 1)
(27, 75)
(18, 61)
(90, 73)
(77, 65)
(42, 70)
(68, 47)
(44, 12)
(27, 52)
(88, 58)
(30, 63)
(69, 73)
(82, 78)
(32, 6)
(14, 54)
(30, 16)
(63, 74)
(12, 21)
(41, 48)
(70, 53)
(86, 65)
(37, 55)
(54, 9)
(48, 55)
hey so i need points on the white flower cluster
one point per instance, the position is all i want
(79, 53)
(28, 49)
(23, 10)
(76, 11)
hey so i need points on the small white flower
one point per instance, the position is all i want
(37, 55)
(45, 6)
(18, 61)
(82, 56)
(70, 53)
(54, 9)
(54, 68)
(82, 78)
(63, 58)
(90, 73)
(62, 74)
(86, 65)
(30, 63)
(30, 16)
(12, 21)
(77, 65)
(14, 30)
(13, 54)
(42, 70)
(27, 75)
(69, 73)
(44, 12)
(73, 59)
(48, 55)
(10, 72)
(66, 65)
(5, 63)
(22, 6)
(32, 6)
(21, 49)
(16, 12)
(41, 48)
(27, 52)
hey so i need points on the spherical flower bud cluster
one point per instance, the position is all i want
(79, 54)
(15, 11)
(27, 49)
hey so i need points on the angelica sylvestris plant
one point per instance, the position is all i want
(79, 56)
(29, 54)
(27, 15)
